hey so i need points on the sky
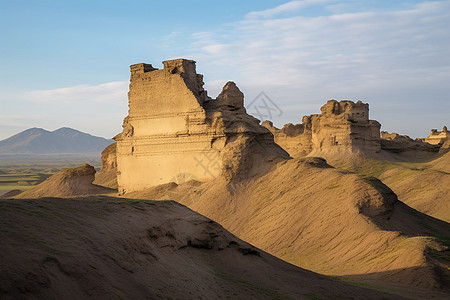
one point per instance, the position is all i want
(66, 63)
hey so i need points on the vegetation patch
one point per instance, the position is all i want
(134, 201)
(21, 181)
(333, 186)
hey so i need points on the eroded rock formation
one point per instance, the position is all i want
(174, 127)
(438, 137)
(343, 125)
(394, 142)
(67, 183)
(445, 147)
(108, 173)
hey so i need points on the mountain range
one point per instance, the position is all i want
(61, 141)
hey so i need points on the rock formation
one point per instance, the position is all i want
(445, 147)
(394, 142)
(343, 125)
(438, 137)
(108, 173)
(67, 183)
(175, 128)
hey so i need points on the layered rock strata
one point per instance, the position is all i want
(342, 125)
(396, 143)
(438, 137)
(175, 129)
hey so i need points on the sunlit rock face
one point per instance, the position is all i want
(175, 129)
(342, 125)
(438, 137)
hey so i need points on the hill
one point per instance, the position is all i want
(61, 141)
(67, 183)
(110, 248)
(329, 221)
(424, 186)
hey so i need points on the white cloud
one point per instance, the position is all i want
(391, 59)
(110, 92)
(215, 48)
(291, 6)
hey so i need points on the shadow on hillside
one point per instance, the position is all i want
(414, 223)
(430, 287)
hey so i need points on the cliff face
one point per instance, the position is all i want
(174, 127)
(438, 137)
(343, 125)
(396, 143)
(107, 176)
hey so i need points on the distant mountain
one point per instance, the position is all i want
(61, 141)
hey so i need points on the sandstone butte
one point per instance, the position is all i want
(175, 128)
(342, 126)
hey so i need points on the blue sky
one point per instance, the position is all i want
(66, 63)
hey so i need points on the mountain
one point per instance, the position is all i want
(61, 141)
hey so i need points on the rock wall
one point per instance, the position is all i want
(174, 129)
(396, 143)
(438, 137)
(445, 147)
(342, 125)
(107, 176)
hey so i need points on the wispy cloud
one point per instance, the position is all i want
(291, 6)
(387, 57)
(110, 92)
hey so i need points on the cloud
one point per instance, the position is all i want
(110, 92)
(392, 59)
(291, 6)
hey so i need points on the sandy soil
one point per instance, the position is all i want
(67, 183)
(423, 184)
(425, 187)
(325, 220)
(102, 247)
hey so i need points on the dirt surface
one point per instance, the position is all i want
(325, 220)
(67, 183)
(422, 183)
(102, 247)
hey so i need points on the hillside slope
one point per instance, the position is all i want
(325, 220)
(110, 248)
(68, 183)
(63, 140)
(424, 186)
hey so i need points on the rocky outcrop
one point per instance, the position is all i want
(396, 143)
(445, 147)
(438, 137)
(343, 125)
(67, 183)
(292, 138)
(108, 173)
(174, 127)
